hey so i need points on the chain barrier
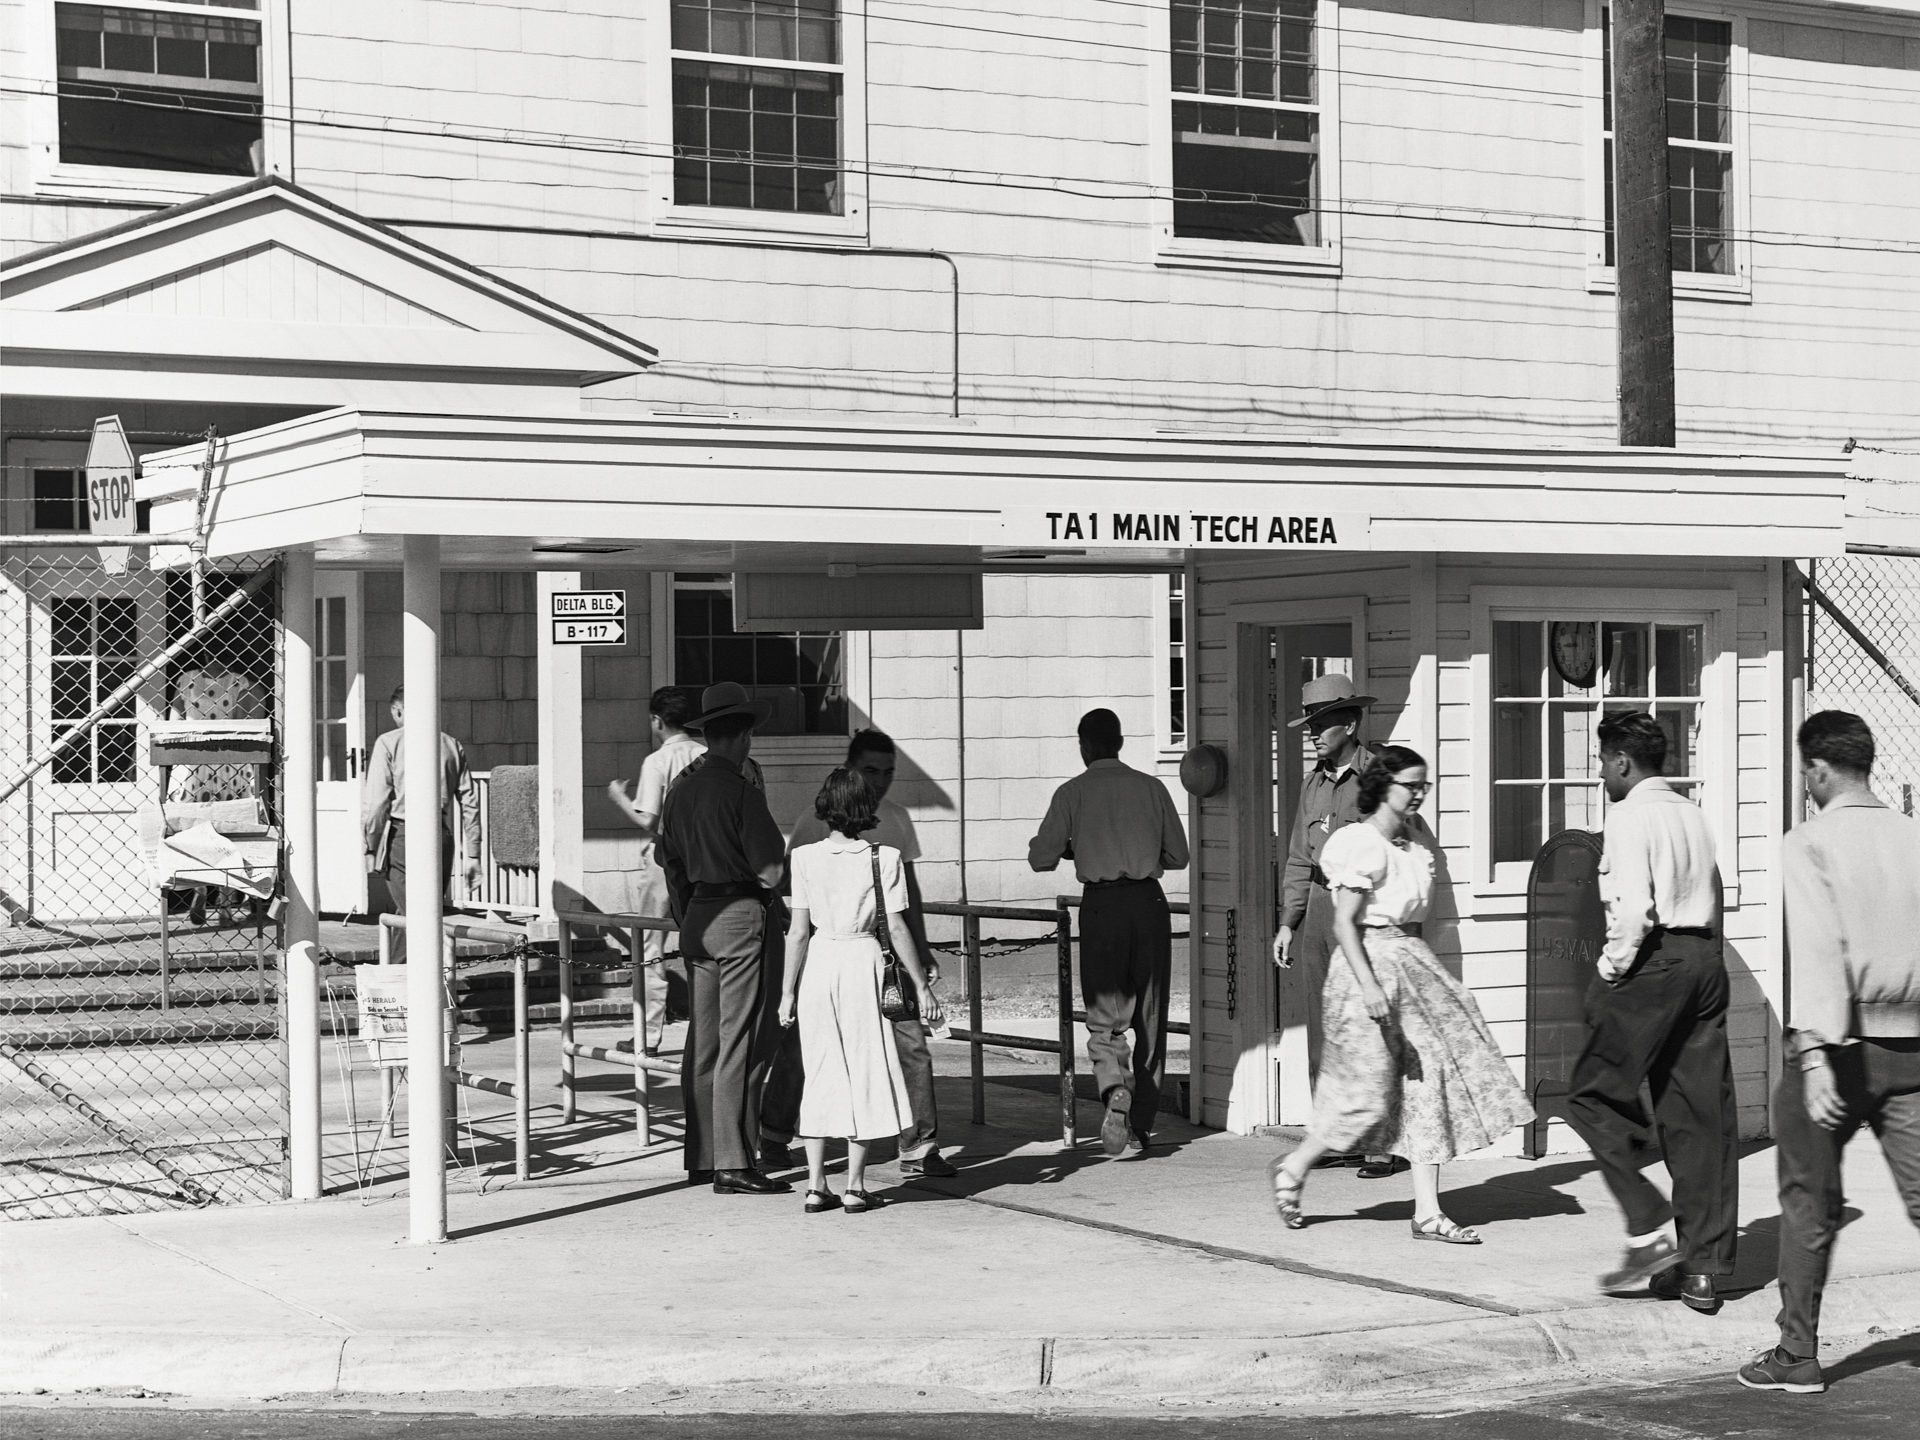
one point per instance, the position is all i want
(1233, 963)
(142, 1059)
(1863, 656)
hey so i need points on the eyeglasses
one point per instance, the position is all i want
(1418, 787)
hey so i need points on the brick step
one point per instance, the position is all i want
(76, 996)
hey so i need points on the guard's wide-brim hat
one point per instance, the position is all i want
(728, 698)
(1329, 692)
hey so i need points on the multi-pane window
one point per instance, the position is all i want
(763, 135)
(1699, 57)
(800, 672)
(1553, 683)
(1176, 658)
(171, 87)
(331, 685)
(95, 649)
(1246, 121)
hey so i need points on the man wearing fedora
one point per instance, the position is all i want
(1332, 712)
(723, 855)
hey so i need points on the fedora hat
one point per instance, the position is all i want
(728, 698)
(1329, 692)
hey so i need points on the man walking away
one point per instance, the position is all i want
(872, 755)
(1853, 1023)
(668, 712)
(1122, 832)
(383, 808)
(1657, 1014)
(723, 856)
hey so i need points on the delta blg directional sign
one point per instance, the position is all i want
(589, 617)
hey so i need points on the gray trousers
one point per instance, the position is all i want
(722, 942)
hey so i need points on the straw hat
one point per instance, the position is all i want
(1329, 692)
(728, 698)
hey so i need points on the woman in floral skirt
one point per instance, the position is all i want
(1409, 1067)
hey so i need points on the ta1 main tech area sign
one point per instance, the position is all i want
(1227, 517)
(589, 617)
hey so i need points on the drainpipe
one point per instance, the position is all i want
(960, 729)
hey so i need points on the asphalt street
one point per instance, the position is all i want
(1875, 1396)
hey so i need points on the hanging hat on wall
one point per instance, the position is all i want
(1329, 692)
(728, 698)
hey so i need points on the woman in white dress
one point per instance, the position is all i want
(1409, 1067)
(855, 1089)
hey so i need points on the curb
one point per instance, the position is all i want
(1554, 1348)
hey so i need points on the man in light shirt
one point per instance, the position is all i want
(873, 755)
(1853, 1023)
(1122, 833)
(383, 810)
(1657, 1014)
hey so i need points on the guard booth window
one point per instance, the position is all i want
(1553, 682)
(96, 646)
(802, 673)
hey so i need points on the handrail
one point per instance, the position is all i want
(615, 920)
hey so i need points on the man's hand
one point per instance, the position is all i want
(1610, 971)
(617, 792)
(1823, 1097)
(1282, 948)
(471, 868)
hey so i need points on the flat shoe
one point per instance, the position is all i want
(1439, 1227)
(1286, 1195)
(858, 1202)
(1380, 1170)
(819, 1201)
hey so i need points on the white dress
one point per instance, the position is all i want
(854, 1086)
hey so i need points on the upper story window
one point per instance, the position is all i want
(802, 673)
(162, 87)
(1246, 121)
(764, 131)
(1700, 141)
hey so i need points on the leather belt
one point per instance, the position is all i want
(731, 890)
(1116, 884)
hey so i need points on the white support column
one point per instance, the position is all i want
(562, 842)
(303, 877)
(426, 1037)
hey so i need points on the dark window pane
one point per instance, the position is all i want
(689, 26)
(72, 689)
(116, 753)
(1246, 175)
(692, 662)
(119, 626)
(1516, 822)
(78, 48)
(1516, 657)
(72, 627)
(181, 57)
(692, 613)
(733, 659)
(73, 766)
(228, 61)
(157, 129)
(736, 133)
(775, 660)
(129, 52)
(54, 501)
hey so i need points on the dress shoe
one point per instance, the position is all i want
(1694, 1291)
(747, 1182)
(1639, 1265)
(1115, 1130)
(932, 1164)
(1777, 1370)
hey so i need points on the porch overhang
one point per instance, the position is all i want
(564, 492)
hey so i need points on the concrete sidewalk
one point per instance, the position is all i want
(1036, 1277)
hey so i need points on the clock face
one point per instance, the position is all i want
(1576, 651)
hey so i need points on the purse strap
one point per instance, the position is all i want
(881, 931)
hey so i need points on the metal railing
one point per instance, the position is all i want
(627, 1052)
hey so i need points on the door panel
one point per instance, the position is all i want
(340, 739)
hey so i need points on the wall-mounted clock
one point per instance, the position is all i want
(1576, 651)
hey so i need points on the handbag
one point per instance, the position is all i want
(897, 1000)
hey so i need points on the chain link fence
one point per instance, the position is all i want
(1863, 656)
(142, 1054)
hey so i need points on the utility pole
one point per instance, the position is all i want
(1642, 235)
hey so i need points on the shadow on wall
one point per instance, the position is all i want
(913, 787)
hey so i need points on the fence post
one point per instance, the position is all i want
(428, 1092)
(970, 930)
(565, 934)
(522, 1069)
(1064, 942)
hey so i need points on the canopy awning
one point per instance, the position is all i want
(554, 491)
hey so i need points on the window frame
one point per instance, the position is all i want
(1718, 762)
(53, 177)
(854, 661)
(132, 721)
(1735, 287)
(664, 215)
(1172, 250)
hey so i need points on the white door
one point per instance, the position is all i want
(340, 739)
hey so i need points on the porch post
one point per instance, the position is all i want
(302, 967)
(426, 996)
(562, 758)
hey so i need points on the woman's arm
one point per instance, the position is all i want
(909, 953)
(1346, 929)
(799, 931)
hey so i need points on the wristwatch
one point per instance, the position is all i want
(1814, 1057)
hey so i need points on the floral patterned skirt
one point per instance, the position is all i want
(1429, 1083)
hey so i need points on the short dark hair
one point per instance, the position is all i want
(1841, 739)
(1101, 728)
(399, 693)
(1377, 778)
(870, 742)
(726, 727)
(674, 704)
(846, 803)
(1638, 736)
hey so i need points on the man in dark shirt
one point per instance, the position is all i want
(722, 855)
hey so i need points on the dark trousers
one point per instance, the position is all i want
(1126, 966)
(722, 942)
(1665, 1025)
(1312, 954)
(1880, 1082)
(397, 879)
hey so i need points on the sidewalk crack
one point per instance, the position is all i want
(191, 1258)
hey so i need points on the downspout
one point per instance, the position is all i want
(960, 729)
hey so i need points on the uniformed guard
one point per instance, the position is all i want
(723, 856)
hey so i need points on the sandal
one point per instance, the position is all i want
(1286, 1195)
(858, 1202)
(1441, 1228)
(821, 1200)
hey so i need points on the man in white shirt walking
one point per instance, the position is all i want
(1122, 832)
(1657, 1014)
